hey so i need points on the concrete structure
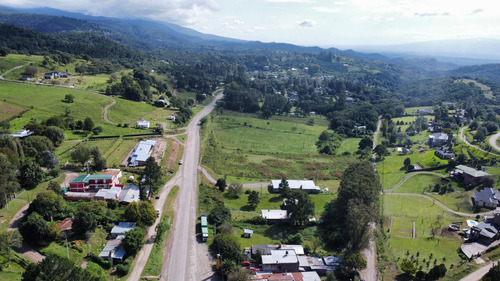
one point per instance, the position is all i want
(307, 186)
(141, 153)
(437, 139)
(470, 176)
(130, 193)
(121, 229)
(108, 194)
(142, 124)
(486, 197)
(266, 249)
(21, 133)
(280, 261)
(275, 216)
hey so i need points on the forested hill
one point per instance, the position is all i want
(486, 71)
(78, 43)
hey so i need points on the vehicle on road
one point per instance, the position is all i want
(157, 212)
(204, 227)
(180, 162)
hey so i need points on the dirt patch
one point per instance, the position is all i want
(172, 155)
(158, 149)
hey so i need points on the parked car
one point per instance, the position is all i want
(157, 212)
(245, 263)
(180, 162)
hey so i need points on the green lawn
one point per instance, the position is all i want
(458, 201)
(126, 111)
(349, 145)
(418, 184)
(406, 209)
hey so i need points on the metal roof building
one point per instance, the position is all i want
(141, 153)
(307, 186)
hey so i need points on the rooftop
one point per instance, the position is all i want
(123, 227)
(274, 214)
(471, 171)
(296, 184)
(141, 151)
(280, 256)
(487, 195)
(86, 178)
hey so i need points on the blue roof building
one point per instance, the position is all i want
(141, 153)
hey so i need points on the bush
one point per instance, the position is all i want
(122, 269)
(103, 263)
(258, 220)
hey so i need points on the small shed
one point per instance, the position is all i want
(247, 233)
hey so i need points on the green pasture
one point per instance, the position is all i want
(408, 209)
(418, 184)
(458, 201)
(413, 110)
(349, 145)
(8, 111)
(126, 111)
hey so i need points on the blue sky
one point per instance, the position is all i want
(308, 22)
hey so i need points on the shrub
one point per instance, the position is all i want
(122, 269)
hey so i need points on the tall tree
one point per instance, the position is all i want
(253, 198)
(30, 175)
(55, 268)
(151, 172)
(8, 181)
(221, 184)
(10, 239)
(84, 222)
(300, 207)
(134, 240)
(81, 154)
(147, 213)
(48, 204)
(88, 124)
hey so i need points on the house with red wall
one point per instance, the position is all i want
(84, 183)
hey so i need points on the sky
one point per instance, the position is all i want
(322, 23)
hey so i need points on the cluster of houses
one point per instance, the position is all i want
(55, 75)
(291, 259)
(104, 186)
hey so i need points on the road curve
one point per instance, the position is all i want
(440, 204)
(478, 274)
(409, 176)
(464, 139)
(188, 259)
(493, 141)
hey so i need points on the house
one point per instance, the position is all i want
(141, 153)
(27, 78)
(307, 186)
(266, 249)
(142, 124)
(275, 216)
(470, 176)
(444, 152)
(84, 183)
(318, 264)
(108, 194)
(486, 197)
(64, 75)
(247, 233)
(130, 193)
(280, 261)
(65, 227)
(51, 75)
(113, 251)
(288, 276)
(402, 150)
(424, 111)
(488, 230)
(121, 229)
(449, 105)
(22, 133)
(437, 139)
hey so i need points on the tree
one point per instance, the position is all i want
(437, 272)
(88, 124)
(132, 212)
(49, 160)
(8, 180)
(151, 172)
(147, 213)
(480, 134)
(328, 142)
(69, 98)
(31, 70)
(34, 229)
(330, 276)
(97, 130)
(366, 141)
(81, 154)
(56, 268)
(221, 184)
(133, 241)
(242, 274)
(33, 145)
(407, 162)
(235, 190)
(228, 247)
(381, 150)
(48, 204)
(284, 188)
(30, 175)
(354, 261)
(408, 267)
(219, 214)
(84, 222)
(315, 243)
(253, 198)
(299, 206)
(10, 239)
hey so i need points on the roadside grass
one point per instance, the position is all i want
(457, 201)
(8, 111)
(156, 258)
(424, 213)
(23, 198)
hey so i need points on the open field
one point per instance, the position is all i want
(486, 90)
(126, 111)
(419, 184)
(405, 210)
(413, 110)
(249, 149)
(8, 111)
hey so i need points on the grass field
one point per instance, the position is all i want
(413, 110)
(404, 210)
(126, 111)
(7, 111)
(249, 149)
(419, 184)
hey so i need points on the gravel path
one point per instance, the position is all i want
(464, 139)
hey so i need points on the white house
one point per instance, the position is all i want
(142, 124)
(21, 133)
(307, 186)
(274, 215)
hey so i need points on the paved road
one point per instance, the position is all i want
(478, 274)
(188, 259)
(409, 176)
(464, 139)
(493, 141)
(370, 253)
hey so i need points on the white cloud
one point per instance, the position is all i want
(307, 23)
(327, 10)
(291, 1)
(238, 22)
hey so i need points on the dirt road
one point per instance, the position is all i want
(478, 274)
